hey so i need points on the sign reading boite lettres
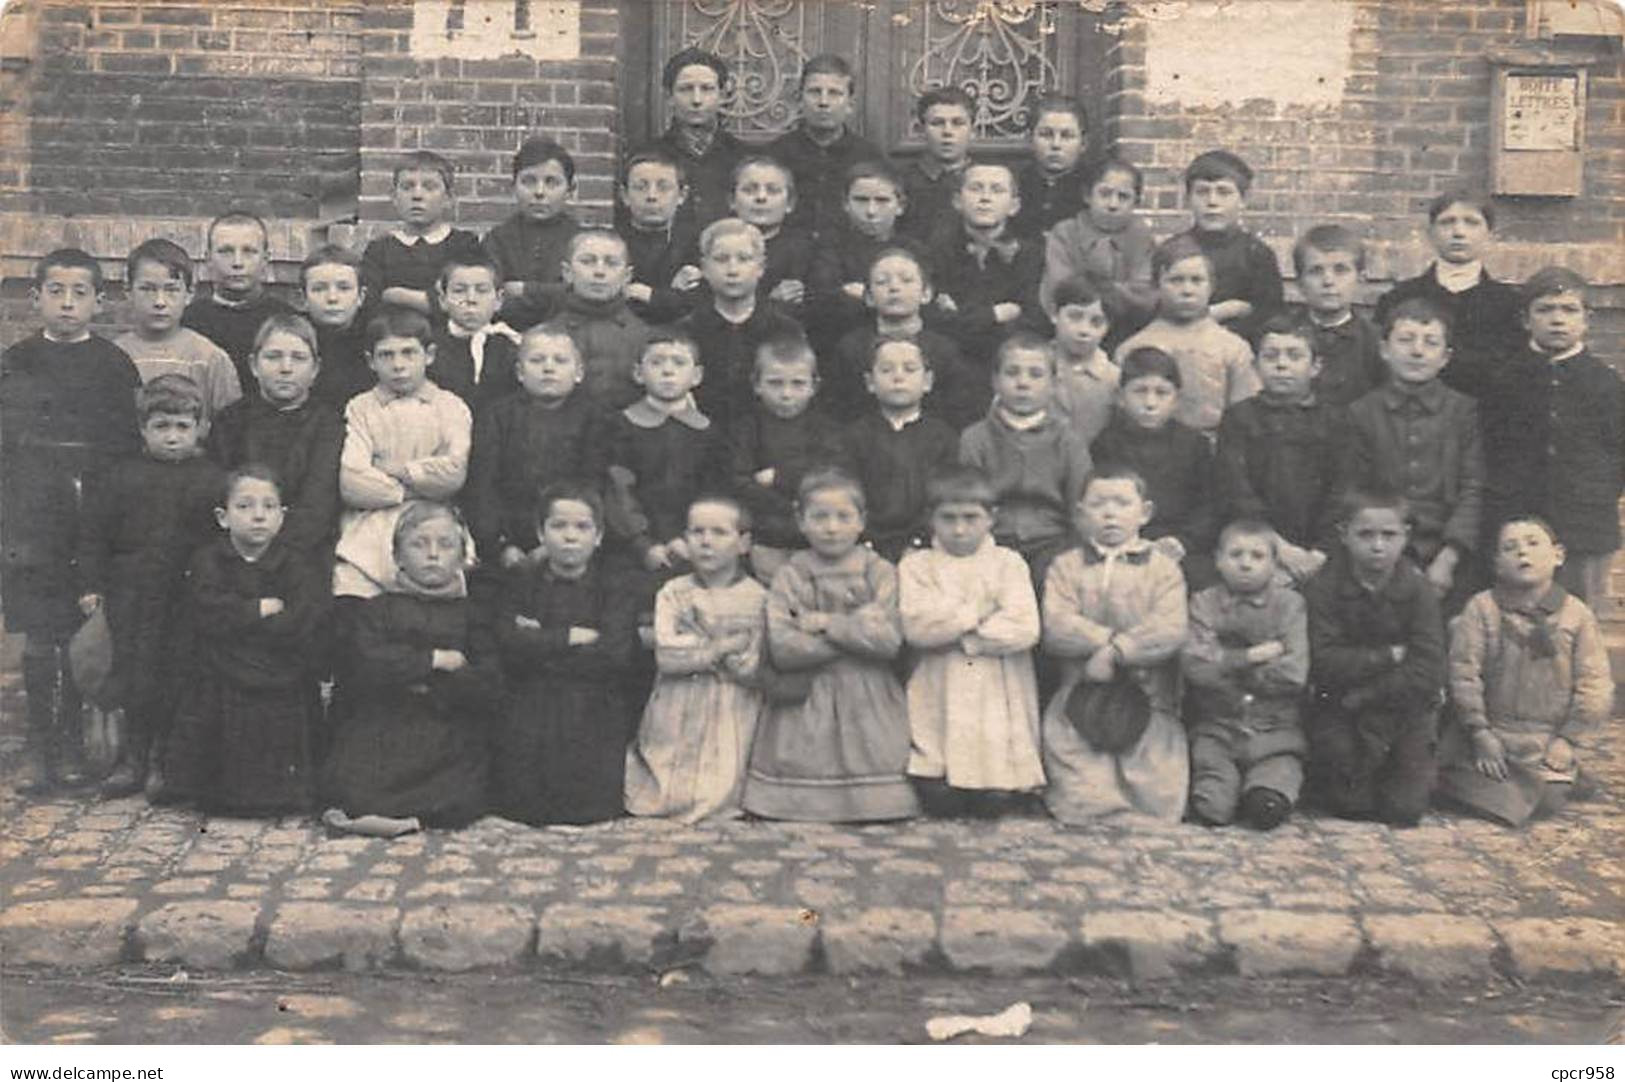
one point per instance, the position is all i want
(492, 29)
(1542, 112)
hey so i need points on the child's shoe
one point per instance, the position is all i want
(1263, 809)
(125, 780)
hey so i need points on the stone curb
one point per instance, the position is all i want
(1138, 944)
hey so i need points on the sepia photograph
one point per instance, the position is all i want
(738, 523)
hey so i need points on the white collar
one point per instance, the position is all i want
(1552, 358)
(1458, 277)
(1338, 322)
(1097, 365)
(84, 336)
(1022, 424)
(433, 236)
(900, 423)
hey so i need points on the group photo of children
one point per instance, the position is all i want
(821, 487)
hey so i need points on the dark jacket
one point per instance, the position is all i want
(1278, 462)
(453, 367)
(529, 251)
(959, 394)
(1046, 200)
(657, 256)
(657, 467)
(1350, 360)
(303, 446)
(728, 352)
(611, 338)
(820, 174)
(1352, 631)
(977, 285)
(791, 448)
(1177, 465)
(1244, 269)
(928, 193)
(233, 327)
(233, 642)
(387, 262)
(709, 176)
(344, 372)
(894, 466)
(1485, 324)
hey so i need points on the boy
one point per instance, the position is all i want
(1482, 312)
(1052, 186)
(662, 453)
(1376, 649)
(664, 251)
(1033, 459)
(931, 179)
(1529, 676)
(1330, 260)
(738, 319)
(229, 314)
(988, 274)
(1085, 378)
(473, 354)
(402, 267)
(1107, 244)
(1279, 451)
(1174, 462)
(776, 445)
(1245, 666)
(892, 451)
(695, 83)
(764, 194)
(871, 204)
(405, 440)
(159, 275)
(1554, 429)
(1421, 438)
(1247, 285)
(67, 412)
(143, 522)
(1215, 364)
(529, 247)
(336, 302)
(898, 289)
(821, 147)
(596, 314)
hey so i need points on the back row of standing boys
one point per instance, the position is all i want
(811, 364)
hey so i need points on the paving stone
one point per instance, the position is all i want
(908, 867)
(1270, 942)
(467, 935)
(452, 888)
(999, 871)
(820, 895)
(372, 890)
(308, 888)
(1159, 943)
(762, 939)
(971, 893)
(756, 869)
(658, 888)
(202, 934)
(882, 939)
(69, 932)
(189, 885)
(1564, 946)
(1003, 940)
(586, 933)
(1431, 946)
(519, 866)
(308, 935)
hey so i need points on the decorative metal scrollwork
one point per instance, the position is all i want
(764, 42)
(1002, 52)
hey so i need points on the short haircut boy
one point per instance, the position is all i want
(1551, 281)
(732, 227)
(394, 321)
(653, 155)
(831, 479)
(577, 238)
(573, 491)
(330, 255)
(671, 336)
(1328, 238)
(691, 57)
(550, 329)
(1058, 103)
(742, 517)
(1174, 250)
(1477, 200)
(1219, 165)
(1292, 323)
(827, 64)
(909, 254)
(538, 150)
(1116, 473)
(1114, 163)
(421, 512)
(1023, 341)
(1248, 527)
(238, 217)
(988, 163)
(250, 471)
(1359, 498)
(943, 95)
(424, 161)
(466, 260)
(171, 395)
(68, 259)
(166, 254)
(1075, 289)
(873, 169)
(1149, 361)
(1416, 310)
(784, 349)
(881, 343)
(752, 160)
(960, 484)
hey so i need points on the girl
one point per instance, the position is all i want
(690, 757)
(834, 746)
(968, 607)
(552, 431)
(566, 629)
(411, 752)
(282, 426)
(243, 727)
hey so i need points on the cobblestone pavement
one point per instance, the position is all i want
(95, 883)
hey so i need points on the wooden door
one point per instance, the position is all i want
(1004, 52)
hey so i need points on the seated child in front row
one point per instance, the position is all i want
(401, 267)
(693, 745)
(1420, 438)
(1529, 676)
(1174, 464)
(776, 445)
(1029, 454)
(1086, 380)
(970, 613)
(281, 426)
(143, 521)
(566, 627)
(1215, 365)
(892, 451)
(1376, 649)
(405, 440)
(548, 431)
(837, 751)
(1114, 611)
(411, 751)
(245, 718)
(473, 354)
(1245, 668)
(1280, 451)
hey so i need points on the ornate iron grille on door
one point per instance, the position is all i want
(1002, 52)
